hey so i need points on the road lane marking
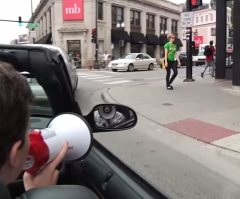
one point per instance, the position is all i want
(105, 80)
(118, 82)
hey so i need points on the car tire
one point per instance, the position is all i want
(114, 70)
(151, 67)
(131, 68)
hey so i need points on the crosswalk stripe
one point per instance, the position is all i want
(105, 80)
(101, 77)
(118, 82)
(88, 76)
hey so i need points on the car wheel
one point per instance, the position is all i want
(151, 67)
(130, 67)
(114, 70)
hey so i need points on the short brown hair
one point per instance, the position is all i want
(170, 36)
(15, 99)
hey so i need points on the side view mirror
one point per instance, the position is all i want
(111, 117)
(137, 58)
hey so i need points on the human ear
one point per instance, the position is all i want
(14, 155)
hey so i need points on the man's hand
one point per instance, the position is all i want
(179, 64)
(48, 176)
(166, 64)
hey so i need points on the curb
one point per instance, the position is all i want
(106, 97)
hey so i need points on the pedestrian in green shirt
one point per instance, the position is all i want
(171, 61)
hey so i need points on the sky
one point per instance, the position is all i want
(12, 9)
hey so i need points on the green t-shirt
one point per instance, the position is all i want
(172, 48)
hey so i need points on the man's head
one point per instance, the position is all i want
(15, 99)
(211, 42)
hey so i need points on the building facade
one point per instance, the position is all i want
(204, 27)
(69, 23)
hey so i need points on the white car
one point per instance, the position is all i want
(72, 71)
(133, 61)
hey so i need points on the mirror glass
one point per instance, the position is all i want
(114, 117)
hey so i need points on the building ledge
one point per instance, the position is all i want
(72, 30)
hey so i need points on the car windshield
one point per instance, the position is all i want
(200, 54)
(128, 56)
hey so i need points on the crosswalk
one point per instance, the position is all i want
(103, 77)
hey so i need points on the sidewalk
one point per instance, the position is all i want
(207, 110)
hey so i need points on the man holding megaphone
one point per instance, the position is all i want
(15, 100)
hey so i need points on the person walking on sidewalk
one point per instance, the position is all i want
(171, 61)
(209, 52)
(105, 59)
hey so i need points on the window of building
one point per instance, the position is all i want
(50, 21)
(211, 16)
(196, 19)
(163, 24)
(117, 15)
(206, 18)
(174, 26)
(201, 18)
(150, 21)
(100, 10)
(135, 18)
(213, 31)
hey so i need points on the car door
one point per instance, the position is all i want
(139, 62)
(147, 61)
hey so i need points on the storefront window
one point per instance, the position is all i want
(74, 51)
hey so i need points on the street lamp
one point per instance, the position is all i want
(164, 32)
(121, 26)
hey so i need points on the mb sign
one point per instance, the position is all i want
(72, 10)
(187, 19)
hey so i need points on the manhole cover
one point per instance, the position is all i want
(167, 104)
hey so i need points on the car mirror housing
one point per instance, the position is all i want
(111, 117)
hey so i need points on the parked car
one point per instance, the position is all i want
(133, 61)
(101, 172)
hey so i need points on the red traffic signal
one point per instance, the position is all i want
(94, 35)
(195, 3)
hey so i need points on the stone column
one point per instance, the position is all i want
(127, 28)
(108, 19)
(157, 32)
(144, 29)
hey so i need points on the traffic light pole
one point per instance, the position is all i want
(96, 40)
(189, 48)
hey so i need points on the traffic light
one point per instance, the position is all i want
(20, 21)
(195, 3)
(94, 35)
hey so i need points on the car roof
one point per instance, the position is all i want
(50, 71)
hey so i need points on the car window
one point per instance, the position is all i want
(146, 56)
(200, 54)
(128, 56)
(41, 104)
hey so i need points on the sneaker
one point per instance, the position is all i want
(170, 88)
(202, 75)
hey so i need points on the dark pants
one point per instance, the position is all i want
(171, 65)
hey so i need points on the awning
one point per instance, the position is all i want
(138, 38)
(152, 39)
(178, 42)
(118, 35)
(163, 40)
(47, 39)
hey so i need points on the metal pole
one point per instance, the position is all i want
(96, 48)
(189, 49)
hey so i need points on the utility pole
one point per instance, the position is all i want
(96, 40)
(189, 47)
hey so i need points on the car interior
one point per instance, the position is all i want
(100, 174)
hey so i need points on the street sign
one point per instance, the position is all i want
(33, 25)
(184, 35)
(187, 19)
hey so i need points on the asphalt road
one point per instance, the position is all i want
(178, 165)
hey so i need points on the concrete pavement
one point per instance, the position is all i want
(179, 165)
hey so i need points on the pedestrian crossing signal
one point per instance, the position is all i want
(196, 3)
